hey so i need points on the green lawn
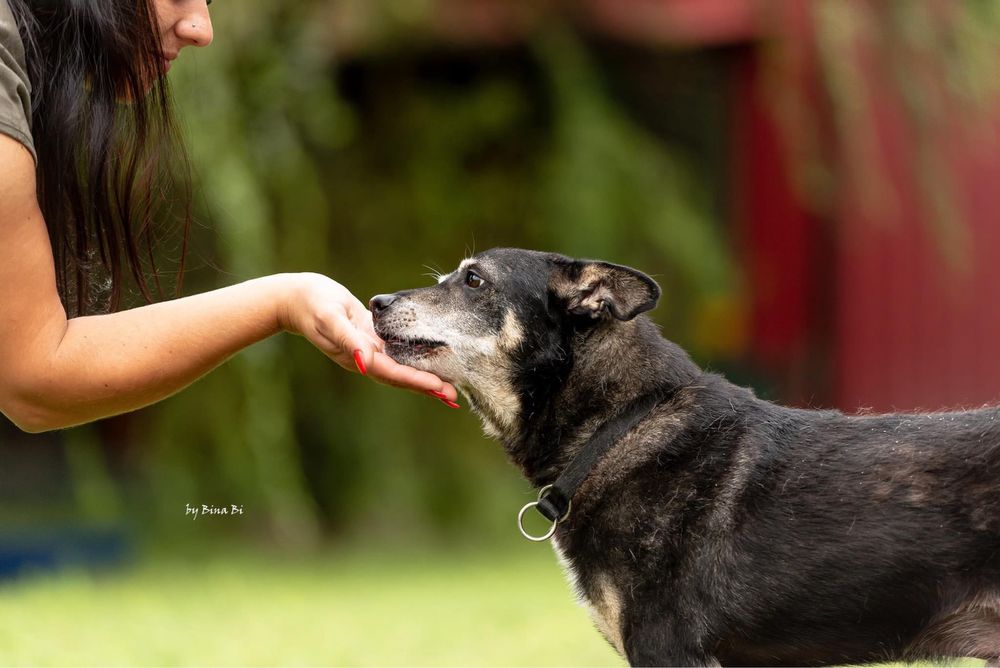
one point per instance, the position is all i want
(380, 607)
(398, 607)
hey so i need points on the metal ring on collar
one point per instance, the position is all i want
(532, 504)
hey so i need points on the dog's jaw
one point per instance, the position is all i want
(488, 390)
(494, 397)
(498, 408)
(471, 364)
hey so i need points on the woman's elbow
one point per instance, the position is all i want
(31, 416)
(31, 421)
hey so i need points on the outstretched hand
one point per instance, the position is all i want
(336, 322)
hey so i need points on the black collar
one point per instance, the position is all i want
(555, 501)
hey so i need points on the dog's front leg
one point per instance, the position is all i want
(658, 643)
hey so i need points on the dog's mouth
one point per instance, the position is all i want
(399, 346)
(414, 346)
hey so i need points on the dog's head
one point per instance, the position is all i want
(503, 325)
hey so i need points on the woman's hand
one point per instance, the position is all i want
(326, 313)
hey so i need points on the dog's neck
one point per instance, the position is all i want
(612, 365)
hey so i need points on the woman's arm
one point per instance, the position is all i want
(57, 373)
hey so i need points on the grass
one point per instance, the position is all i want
(378, 607)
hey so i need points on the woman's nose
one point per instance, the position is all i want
(195, 28)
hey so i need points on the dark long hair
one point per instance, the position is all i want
(109, 157)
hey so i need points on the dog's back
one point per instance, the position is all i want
(807, 537)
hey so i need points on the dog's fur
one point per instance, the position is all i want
(722, 528)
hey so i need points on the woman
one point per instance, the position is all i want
(83, 116)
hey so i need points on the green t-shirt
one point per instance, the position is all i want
(15, 88)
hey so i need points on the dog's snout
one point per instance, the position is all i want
(380, 303)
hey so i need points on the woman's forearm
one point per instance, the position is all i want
(108, 364)
(57, 373)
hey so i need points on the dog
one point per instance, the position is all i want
(715, 528)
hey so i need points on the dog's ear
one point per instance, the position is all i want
(594, 288)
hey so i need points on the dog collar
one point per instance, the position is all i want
(555, 501)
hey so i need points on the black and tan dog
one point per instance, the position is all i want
(718, 528)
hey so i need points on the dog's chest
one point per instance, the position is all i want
(601, 598)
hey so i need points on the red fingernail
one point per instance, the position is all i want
(439, 395)
(360, 362)
(449, 403)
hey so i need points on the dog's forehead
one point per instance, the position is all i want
(509, 261)
(498, 264)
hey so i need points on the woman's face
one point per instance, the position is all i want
(182, 23)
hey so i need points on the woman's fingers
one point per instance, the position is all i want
(386, 370)
(383, 368)
(340, 339)
(343, 329)
(353, 348)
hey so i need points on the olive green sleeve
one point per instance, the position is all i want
(15, 88)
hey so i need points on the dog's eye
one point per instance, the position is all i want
(474, 280)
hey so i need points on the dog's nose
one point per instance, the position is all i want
(380, 303)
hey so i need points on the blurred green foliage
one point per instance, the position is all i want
(379, 167)
(376, 170)
(383, 164)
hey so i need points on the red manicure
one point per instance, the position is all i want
(439, 395)
(360, 362)
(449, 403)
